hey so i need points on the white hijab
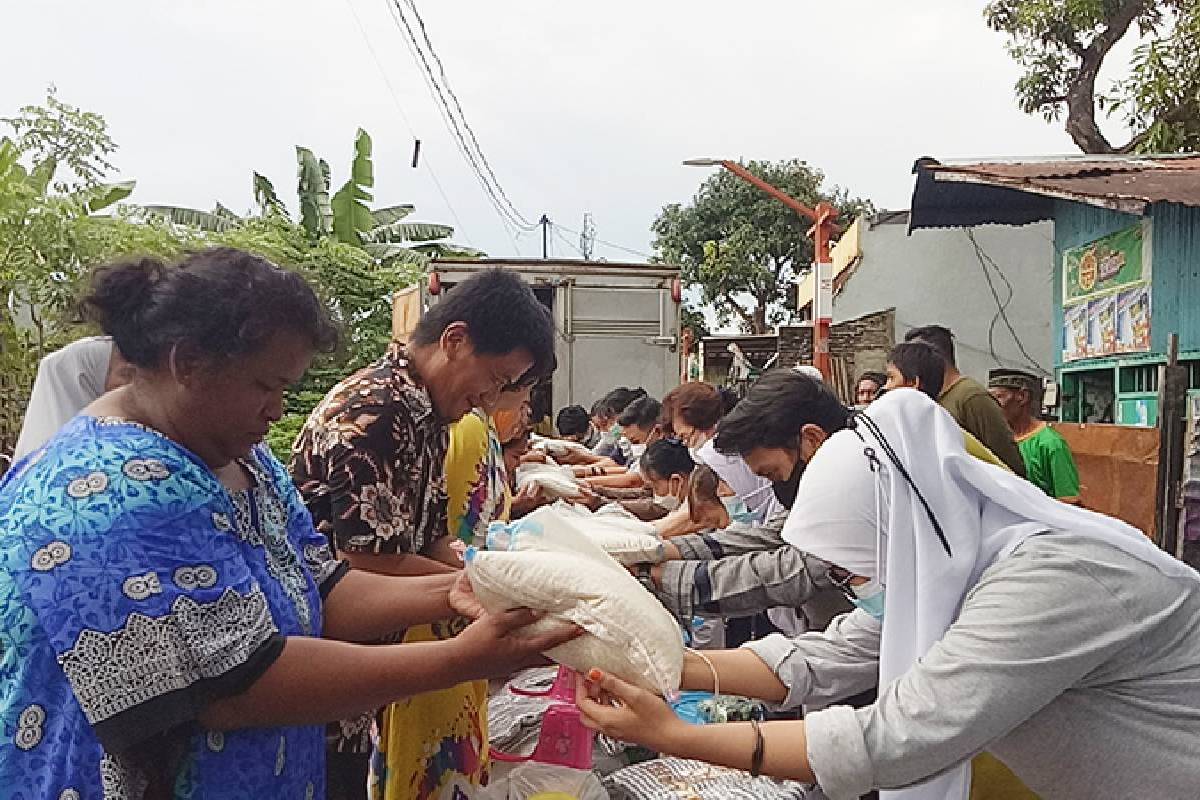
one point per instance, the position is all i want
(873, 524)
(68, 380)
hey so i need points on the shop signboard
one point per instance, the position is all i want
(1106, 296)
(1104, 265)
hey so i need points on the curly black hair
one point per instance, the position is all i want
(221, 302)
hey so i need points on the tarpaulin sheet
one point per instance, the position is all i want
(1118, 469)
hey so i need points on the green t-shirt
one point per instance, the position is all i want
(978, 413)
(1049, 464)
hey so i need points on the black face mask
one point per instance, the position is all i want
(785, 491)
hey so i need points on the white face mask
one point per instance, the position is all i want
(637, 449)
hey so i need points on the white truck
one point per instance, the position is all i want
(618, 324)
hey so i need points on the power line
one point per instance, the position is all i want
(462, 115)
(439, 95)
(458, 226)
(410, 41)
(615, 246)
(1001, 306)
(558, 231)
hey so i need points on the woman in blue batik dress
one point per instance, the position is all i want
(171, 625)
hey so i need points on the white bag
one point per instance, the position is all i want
(549, 567)
(555, 482)
(620, 534)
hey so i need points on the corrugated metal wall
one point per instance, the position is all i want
(1175, 255)
(1175, 266)
(1077, 224)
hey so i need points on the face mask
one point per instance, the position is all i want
(785, 491)
(638, 450)
(870, 597)
(737, 510)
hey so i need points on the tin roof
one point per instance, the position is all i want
(1018, 192)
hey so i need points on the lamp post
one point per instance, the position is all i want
(824, 225)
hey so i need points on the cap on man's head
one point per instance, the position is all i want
(1015, 379)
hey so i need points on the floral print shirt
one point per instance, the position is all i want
(371, 466)
(370, 462)
(133, 590)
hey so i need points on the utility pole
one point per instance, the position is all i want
(587, 238)
(824, 227)
(545, 223)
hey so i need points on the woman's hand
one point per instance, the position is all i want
(625, 712)
(498, 644)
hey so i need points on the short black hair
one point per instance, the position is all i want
(877, 378)
(666, 458)
(729, 399)
(921, 361)
(772, 413)
(221, 302)
(502, 316)
(642, 413)
(572, 421)
(616, 401)
(938, 337)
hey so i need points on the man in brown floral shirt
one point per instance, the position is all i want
(370, 461)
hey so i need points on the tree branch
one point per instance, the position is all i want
(746, 316)
(1081, 95)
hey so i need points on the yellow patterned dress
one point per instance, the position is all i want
(433, 746)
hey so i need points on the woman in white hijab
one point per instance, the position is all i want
(67, 381)
(991, 618)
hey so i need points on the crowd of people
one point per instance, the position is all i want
(909, 582)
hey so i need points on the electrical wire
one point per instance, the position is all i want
(442, 104)
(455, 124)
(1001, 306)
(558, 232)
(630, 250)
(407, 122)
(458, 226)
(462, 115)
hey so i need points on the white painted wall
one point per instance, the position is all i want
(935, 277)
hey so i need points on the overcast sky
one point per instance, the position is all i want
(580, 107)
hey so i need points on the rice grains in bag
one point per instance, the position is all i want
(542, 564)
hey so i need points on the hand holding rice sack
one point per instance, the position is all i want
(991, 616)
(542, 564)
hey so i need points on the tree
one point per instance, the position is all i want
(51, 236)
(1061, 46)
(743, 249)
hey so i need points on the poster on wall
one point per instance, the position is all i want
(1133, 320)
(1102, 326)
(1075, 332)
(1105, 265)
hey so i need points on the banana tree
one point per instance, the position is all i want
(345, 216)
(384, 233)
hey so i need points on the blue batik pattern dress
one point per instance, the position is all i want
(133, 590)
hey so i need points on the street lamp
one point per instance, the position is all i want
(824, 225)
